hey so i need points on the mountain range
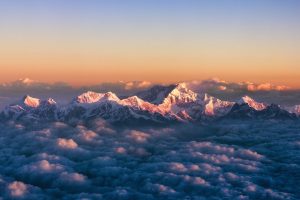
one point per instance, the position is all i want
(159, 104)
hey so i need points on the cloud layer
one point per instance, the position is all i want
(264, 92)
(229, 160)
(63, 92)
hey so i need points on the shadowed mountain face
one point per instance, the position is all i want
(159, 104)
(156, 94)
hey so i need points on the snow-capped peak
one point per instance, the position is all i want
(294, 109)
(216, 107)
(181, 94)
(31, 102)
(182, 85)
(89, 97)
(51, 101)
(110, 96)
(134, 100)
(182, 88)
(156, 94)
(252, 103)
(137, 103)
(207, 97)
(93, 97)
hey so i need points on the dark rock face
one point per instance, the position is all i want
(275, 112)
(156, 94)
(244, 111)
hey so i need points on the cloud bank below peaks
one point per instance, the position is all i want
(58, 161)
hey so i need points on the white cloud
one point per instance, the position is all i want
(229, 160)
(265, 92)
(138, 136)
(17, 189)
(66, 143)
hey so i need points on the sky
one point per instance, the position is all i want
(92, 41)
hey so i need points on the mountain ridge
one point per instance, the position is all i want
(159, 104)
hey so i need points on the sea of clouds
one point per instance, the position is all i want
(226, 160)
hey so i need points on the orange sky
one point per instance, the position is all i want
(162, 63)
(82, 45)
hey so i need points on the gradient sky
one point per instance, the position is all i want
(92, 41)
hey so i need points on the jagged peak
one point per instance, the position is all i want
(111, 96)
(252, 103)
(50, 101)
(89, 97)
(31, 101)
(133, 100)
(181, 87)
(170, 94)
(294, 109)
(138, 103)
(246, 99)
(209, 98)
(181, 94)
(297, 108)
(214, 106)
(156, 94)
(93, 97)
(274, 107)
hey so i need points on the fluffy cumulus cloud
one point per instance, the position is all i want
(26, 83)
(230, 160)
(66, 143)
(137, 85)
(17, 189)
(217, 84)
(265, 87)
